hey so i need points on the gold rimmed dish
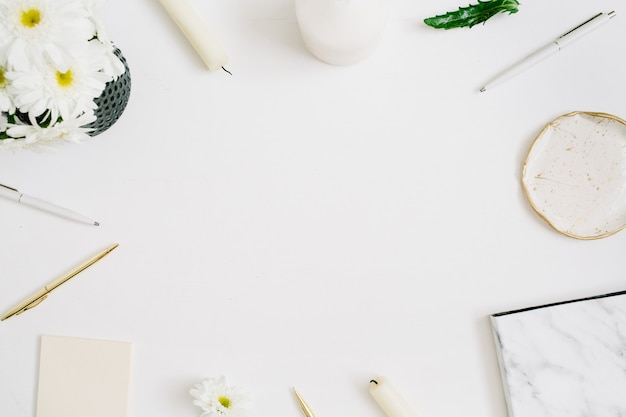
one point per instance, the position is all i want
(574, 175)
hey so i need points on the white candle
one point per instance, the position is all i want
(388, 398)
(196, 33)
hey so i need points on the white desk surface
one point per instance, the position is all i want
(300, 224)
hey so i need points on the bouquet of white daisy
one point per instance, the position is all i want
(55, 63)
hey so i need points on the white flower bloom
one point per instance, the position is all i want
(113, 65)
(216, 399)
(6, 102)
(72, 129)
(55, 60)
(19, 145)
(32, 31)
(35, 137)
(61, 93)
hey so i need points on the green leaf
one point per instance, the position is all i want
(472, 14)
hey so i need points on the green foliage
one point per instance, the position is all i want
(472, 14)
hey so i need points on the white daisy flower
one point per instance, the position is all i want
(32, 31)
(6, 102)
(216, 399)
(72, 129)
(61, 92)
(11, 144)
(35, 137)
(113, 65)
(55, 60)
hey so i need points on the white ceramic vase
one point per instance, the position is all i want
(341, 32)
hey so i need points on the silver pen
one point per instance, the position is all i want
(15, 195)
(550, 49)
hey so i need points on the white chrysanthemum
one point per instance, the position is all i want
(6, 103)
(216, 399)
(32, 31)
(113, 65)
(34, 137)
(61, 93)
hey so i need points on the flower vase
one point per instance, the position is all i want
(341, 32)
(113, 100)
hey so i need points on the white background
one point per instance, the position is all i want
(301, 224)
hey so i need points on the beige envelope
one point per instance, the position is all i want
(83, 377)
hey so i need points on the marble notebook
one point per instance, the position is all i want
(565, 359)
(83, 377)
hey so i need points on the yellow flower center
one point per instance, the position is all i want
(3, 80)
(65, 79)
(225, 401)
(31, 18)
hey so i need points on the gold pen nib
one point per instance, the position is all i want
(305, 408)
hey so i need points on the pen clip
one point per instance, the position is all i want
(9, 188)
(33, 304)
(582, 24)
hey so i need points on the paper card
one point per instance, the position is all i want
(83, 377)
(564, 359)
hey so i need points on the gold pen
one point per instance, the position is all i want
(42, 294)
(305, 408)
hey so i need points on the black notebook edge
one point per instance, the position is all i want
(595, 297)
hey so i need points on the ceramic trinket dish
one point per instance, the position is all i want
(575, 174)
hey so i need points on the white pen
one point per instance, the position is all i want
(13, 194)
(550, 49)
